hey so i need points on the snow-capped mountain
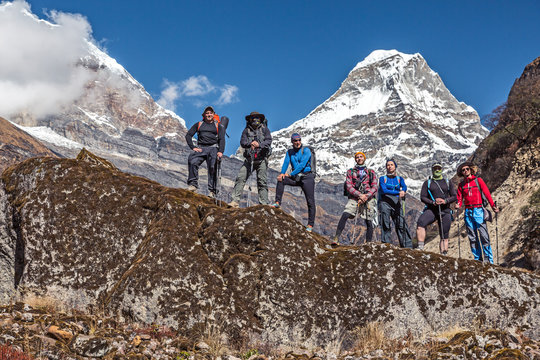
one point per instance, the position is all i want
(391, 105)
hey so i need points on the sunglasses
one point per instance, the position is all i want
(297, 140)
(465, 169)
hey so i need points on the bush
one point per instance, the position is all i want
(10, 353)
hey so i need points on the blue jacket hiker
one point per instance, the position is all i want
(392, 189)
(299, 158)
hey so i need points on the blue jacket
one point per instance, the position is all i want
(392, 186)
(300, 161)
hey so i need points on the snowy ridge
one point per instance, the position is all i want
(391, 105)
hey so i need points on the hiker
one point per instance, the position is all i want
(209, 148)
(300, 159)
(474, 195)
(437, 194)
(256, 141)
(392, 191)
(361, 189)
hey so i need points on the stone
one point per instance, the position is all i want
(59, 334)
(202, 346)
(91, 346)
(136, 341)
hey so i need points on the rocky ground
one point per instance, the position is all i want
(42, 331)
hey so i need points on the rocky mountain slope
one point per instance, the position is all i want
(390, 105)
(509, 160)
(16, 145)
(81, 231)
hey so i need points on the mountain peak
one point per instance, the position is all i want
(379, 55)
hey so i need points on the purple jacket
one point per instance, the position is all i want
(369, 186)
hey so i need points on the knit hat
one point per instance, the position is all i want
(466, 163)
(296, 136)
(359, 152)
(392, 160)
(255, 114)
(208, 108)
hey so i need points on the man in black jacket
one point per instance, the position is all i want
(209, 148)
(256, 141)
(437, 194)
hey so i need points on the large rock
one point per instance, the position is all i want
(84, 232)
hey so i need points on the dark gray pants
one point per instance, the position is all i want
(391, 211)
(261, 167)
(195, 159)
(307, 183)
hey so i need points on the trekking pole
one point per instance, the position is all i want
(440, 227)
(458, 236)
(218, 181)
(353, 242)
(497, 233)
(249, 176)
(403, 222)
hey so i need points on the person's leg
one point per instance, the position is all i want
(341, 224)
(369, 230)
(280, 187)
(262, 181)
(386, 215)
(308, 186)
(474, 242)
(240, 181)
(211, 159)
(484, 239)
(195, 159)
(426, 218)
(447, 223)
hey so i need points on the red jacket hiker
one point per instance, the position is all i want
(469, 195)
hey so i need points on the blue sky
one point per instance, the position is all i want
(283, 58)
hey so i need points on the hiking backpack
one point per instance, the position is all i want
(259, 136)
(358, 180)
(217, 120)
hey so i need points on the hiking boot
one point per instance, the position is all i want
(192, 188)
(335, 241)
(234, 204)
(212, 195)
(445, 253)
(309, 228)
(276, 205)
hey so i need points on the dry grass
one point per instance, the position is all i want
(370, 337)
(9, 353)
(46, 303)
(452, 331)
(215, 338)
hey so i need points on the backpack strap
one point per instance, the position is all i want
(428, 190)
(485, 202)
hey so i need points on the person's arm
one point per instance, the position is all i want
(424, 196)
(372, 191)
(286, 163)
(459, 196)
(267, 141)
(384, 188)
(190, 134)
(305, 158)
(452, 192)
(486, 192)
(244, 140)
(403, 185)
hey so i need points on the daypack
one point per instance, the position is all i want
(358, 180)
(313, 160)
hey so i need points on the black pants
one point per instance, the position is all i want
(429, 216)
(391, 212)
(195, 159)
(343, 221)
(307, 183)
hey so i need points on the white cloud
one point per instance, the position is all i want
(197, 89)
(38, 72)
(228, 95)
(169, 95)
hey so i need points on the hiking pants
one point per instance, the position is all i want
(478, 234)
(261, 167)
(392, 212)
(307, 183)
(195, 159)
(429, 217)
(341, 226)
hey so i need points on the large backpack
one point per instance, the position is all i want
(358, 181)
(313, 159)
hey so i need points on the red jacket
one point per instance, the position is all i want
(469, 195)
